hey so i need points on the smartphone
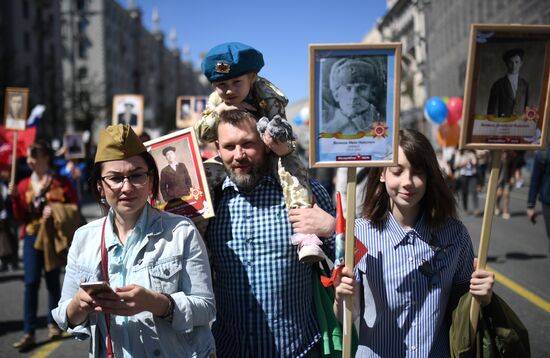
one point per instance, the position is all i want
(93, 288)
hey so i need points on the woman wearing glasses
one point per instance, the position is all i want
(158, 300)
(420, 258)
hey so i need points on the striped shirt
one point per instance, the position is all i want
(264, 296)
(405, 284)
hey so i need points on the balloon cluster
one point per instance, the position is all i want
(439, 109)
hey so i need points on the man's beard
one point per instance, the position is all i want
(246, 182)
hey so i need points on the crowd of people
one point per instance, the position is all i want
(143, 282)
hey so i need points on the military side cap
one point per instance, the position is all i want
(347, 71)
(118, 142)
(230, 60)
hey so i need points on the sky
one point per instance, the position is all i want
(281, 30)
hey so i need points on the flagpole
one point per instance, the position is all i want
(486, 231)
(13, 158)
(349, 257)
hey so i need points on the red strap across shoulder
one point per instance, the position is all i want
(105, 272)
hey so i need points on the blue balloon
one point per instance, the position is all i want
(436, 110)
(298, 120)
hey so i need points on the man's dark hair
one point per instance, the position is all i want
(235, 116)
(511, 53)
(167, 149)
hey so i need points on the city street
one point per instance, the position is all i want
(519, 253)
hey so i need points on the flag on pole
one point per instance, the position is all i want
(24, 138)
(360, 249)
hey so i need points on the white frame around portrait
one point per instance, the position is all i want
(364, 148)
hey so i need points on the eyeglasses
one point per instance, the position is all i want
(117, 181)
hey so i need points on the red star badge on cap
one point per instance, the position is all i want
(222, 67)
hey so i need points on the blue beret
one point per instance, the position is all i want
(230, 60)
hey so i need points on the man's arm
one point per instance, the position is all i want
(162, 185)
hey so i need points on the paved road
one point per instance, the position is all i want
(518, 251)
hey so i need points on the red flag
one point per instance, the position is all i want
(359, 251)
(24, 140)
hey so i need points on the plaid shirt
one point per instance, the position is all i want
(264, 296)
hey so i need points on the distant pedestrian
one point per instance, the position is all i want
(465, 164)
(36, 201)
(540, 187)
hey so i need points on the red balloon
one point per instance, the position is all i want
(454, 110)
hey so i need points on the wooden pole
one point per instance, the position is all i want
(486, 230)
(349, 257)
(13, 158)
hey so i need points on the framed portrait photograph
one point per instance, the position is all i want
(506, 93)
(128, 109)
(189, 110)
(183, 187)
(74, 146)
(354, 104)
(16, 108)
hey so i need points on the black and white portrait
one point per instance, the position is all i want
(128, 109)
(506, 87)
(74, 146)
(355, 104)
(357, 94)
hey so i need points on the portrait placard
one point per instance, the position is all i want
(354, 104)
(183, 187)
(128, 109)
(74, 146)
(16, 107)
(189, 110)
(506, 93)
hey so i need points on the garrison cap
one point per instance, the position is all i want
(511, 53)
(118, 142)
(349, 70)
(230, 60)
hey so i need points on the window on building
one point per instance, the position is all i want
(82, 49)
(80, 5)
(28, 75)
(82, 24)
(26, 41)
(25, 9)
(82, 72)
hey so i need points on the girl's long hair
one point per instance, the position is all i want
(438, 203)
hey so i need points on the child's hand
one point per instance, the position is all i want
(222, 107)
(481, 285)
(344, 284)
(312, 221)
(279, 148)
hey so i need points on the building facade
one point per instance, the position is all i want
(75, 55)
(110, 52)
(30, 55)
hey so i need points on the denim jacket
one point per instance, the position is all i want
(540, 179)
(172, 259)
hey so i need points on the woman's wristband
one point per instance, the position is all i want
(169, 315)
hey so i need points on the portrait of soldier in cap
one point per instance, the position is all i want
(128, 116)
(357, 86)
(175, 181)
(509, 94)
(128, 109)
